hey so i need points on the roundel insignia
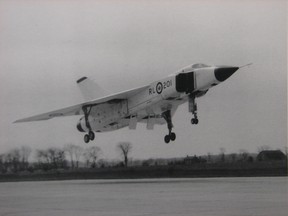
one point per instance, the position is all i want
(159, 87)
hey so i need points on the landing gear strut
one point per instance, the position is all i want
(171, 136)
(193, 109)
(90, 135)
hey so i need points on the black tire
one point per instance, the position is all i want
(196, 121)
(172, 136)
(91, 135)
(167, 139)
(86, 138)
(192, 121)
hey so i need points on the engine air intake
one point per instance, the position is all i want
(185, 82)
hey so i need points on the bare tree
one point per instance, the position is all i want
(8, 161)
(102, 163)
(78, 151)
(243, 153)
(15, 156)
(74, 153)
(42, 156)
(2, 160)
(57, 157)
(86, 156)
(91, 155)
(222, 154)
(25, 152)
(125, 148)
(69, 148)
(233, 157)
(16, 159)
(53, 157)
(209, 157)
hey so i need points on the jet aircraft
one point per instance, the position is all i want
(151, 104)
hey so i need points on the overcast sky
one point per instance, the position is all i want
(45, 46)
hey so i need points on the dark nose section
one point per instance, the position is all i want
(224, 73)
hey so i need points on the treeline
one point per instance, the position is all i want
(15, 160)
(74, 157)
(54, 158)
(70, 156)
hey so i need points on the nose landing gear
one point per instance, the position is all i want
(194, 120)
(193, 109)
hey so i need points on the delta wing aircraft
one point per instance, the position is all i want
(152, 104)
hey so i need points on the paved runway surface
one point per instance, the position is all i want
(181, 197)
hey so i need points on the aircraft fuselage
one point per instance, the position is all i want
(148, 105)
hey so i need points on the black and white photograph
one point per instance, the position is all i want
(143, 107)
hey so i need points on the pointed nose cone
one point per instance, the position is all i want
(224, 73)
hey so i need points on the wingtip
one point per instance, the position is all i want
(81, 79)
(19, 121)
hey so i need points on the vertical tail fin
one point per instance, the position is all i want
(89, 89)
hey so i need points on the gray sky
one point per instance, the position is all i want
(46, 45)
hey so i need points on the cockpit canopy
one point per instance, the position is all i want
(192, 67)
(199, 65)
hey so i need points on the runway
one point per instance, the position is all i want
(181, 197)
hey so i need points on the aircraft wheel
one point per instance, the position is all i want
(167, 139)
(172, 136)
(86, 138)
(194, 121)
(91, 135)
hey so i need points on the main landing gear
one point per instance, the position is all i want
(90, 136)
(171, 136)
(193, 109)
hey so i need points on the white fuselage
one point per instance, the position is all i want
(148, 105)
